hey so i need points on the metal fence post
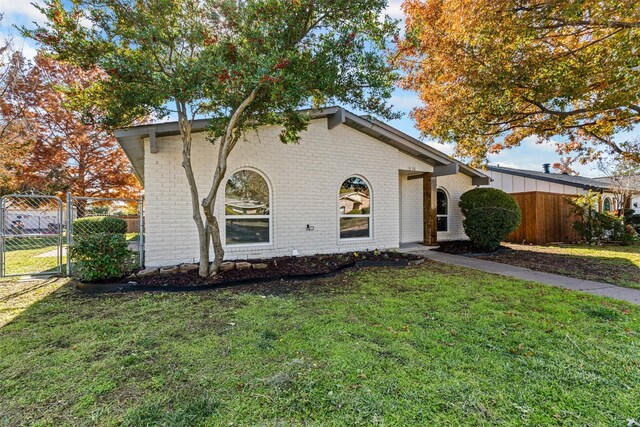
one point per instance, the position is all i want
(141, 231)
(68, 227)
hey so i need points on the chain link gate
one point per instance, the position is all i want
(36, 231)
(31, 235)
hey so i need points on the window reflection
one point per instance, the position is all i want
(355, 209)
(247, 209)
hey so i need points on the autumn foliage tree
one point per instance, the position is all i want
(492, 73)
(244, 63)
(13, 143)
(67, 151)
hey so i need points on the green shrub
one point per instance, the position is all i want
(98, 224)
(590, 223)
(629, 236)
(489, 216)
(633, 219)
(100, 256)
(354, 212)
(487, 227)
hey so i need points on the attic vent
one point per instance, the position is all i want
(546, 167)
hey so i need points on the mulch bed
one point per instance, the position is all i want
(281, 268)
(568, 265)
(465, 247)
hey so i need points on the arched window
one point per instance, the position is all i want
(606, 205)
(354, 209)
(247, 213)
(442, 210)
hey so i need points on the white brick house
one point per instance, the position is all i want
(285, 198)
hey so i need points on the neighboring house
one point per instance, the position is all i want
(354, 201)
(542, 196)
(31, 221)
(626, 189)
(351, 184)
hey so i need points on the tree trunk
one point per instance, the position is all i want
(227, 143)
(203, 232)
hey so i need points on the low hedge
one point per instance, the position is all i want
(98, 224)
(100, 256)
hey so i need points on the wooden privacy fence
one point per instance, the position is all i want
(133, 223)
(546, 218)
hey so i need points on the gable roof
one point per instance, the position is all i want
(558, 178)
(131, 141)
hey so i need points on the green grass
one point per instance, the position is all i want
(23, 255)
(17, 295)
(427, 345)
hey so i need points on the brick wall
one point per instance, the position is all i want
(304, 180)
(411, 207)
(454, 186)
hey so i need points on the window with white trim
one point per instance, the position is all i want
(606, 205)
(442, 210)
(354, 209)
(247, 209)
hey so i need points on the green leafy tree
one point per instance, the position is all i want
(589, 222)
(245, 63)
(492, 73)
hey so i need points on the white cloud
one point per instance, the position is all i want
(404, 101)
(394, 9)
(531, 156)
(16, 13)
(20, 11)
(448, 149)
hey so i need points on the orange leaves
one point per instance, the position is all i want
(65, 152)
(491, 73)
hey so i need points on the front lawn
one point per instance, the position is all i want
(618, 265)
(426, 345)
(31, 255)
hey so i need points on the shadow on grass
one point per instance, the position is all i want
(426, 345)
(17, 295)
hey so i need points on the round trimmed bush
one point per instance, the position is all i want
(489, 216)
(99, 224)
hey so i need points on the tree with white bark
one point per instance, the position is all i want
(245, 63)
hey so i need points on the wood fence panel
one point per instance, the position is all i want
(545, 219)
(133, 223)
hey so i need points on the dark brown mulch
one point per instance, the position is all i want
(589, 268)
(464, 247)
(281, 267)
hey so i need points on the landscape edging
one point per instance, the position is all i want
(97, 288)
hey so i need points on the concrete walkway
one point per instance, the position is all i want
(588, 286)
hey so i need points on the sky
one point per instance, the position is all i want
(529, 155)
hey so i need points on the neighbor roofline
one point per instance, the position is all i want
(551, 178)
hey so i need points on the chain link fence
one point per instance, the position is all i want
(36, 231)
(92, 215)
(31, 235)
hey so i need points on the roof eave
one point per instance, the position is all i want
(550, 179)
